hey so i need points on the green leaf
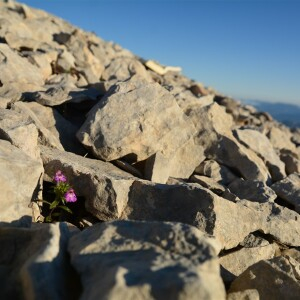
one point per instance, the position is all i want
(45, 201)
(65, 208)
(54, 203)
(57, 214)
(48, 219)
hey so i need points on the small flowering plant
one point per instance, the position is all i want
(64, 193)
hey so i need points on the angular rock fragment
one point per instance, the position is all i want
(149, 260)
(181, 164)
(252, 190)
(280, 138)
(191, 204)
(214, 134)
(19, 182)
(18, 72)
(219, 173)
(61, 128)
(34, 263)
(292, 163)
(104, 187)
(289, 190)
(45, 136)
(123, 68)
(138, 119)
(280, 222)
(236, 262)
(20, 131)
(250, 294)
(276, 278)
(261, 145)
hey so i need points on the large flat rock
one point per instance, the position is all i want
(146, 260)
(19, 182)
(136, 119)
(34, 263)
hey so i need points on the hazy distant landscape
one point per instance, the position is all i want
(288, 114)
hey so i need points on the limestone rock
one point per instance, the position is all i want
(276, 278)
(104, 187)
(294, 253)
(280, 222)
(252, 190)
(289, 190)
(260, 144)
(214, 135)
(235, 263)
(149, 260)
(181, 164)
(138, 119)
(123, 68)
(280, 138)
(45, 136)
(219, 173)
(209, 183)
(20, 131)
(292, 163)
(194, 205)
(35, 259)
(251, 294)
(18, 71)
(85, 61)
(58, 94)
(19, 181)
(63, 130)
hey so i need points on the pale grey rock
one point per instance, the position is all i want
(85, 62)
(252, 190)
(253, 241)
(59, 93)
(181, 164)
(65, 61)
(289, 190)
(20, 131)
(294, 253)
(214, 135)
(138, 119)
(296, 136)
(250, 294)
(19, 182)
(105, 188)
(148, 260)
(188, 102)
(261, 145)
(123, 68)
(219, 173)
(45, 136)
(236, 262)
(292, 163)
(34, 263)
(194, 205)
(280, 137)
(230, 222)
(61, 128)
(276, 278)
(43, 61)
(208, 183)
(18, 71)
(280, 222)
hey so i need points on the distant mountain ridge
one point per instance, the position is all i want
(286, 113)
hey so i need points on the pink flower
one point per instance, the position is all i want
(70, 196)
(59, 177)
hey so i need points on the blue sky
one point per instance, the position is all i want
(243, 48)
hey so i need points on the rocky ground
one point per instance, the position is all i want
(182, 193)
